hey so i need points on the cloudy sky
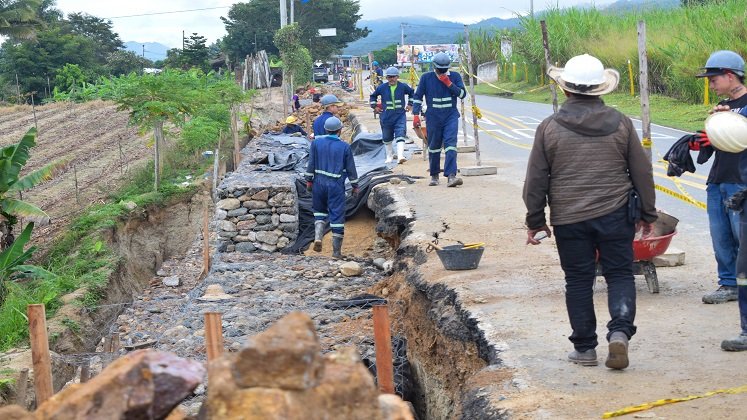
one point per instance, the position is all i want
(167, 28)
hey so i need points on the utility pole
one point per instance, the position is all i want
(143, 50)
(643, 82)
(255, 43)
(292, 17)
(531, 8)
(402, 31)
(283, 13)
(182, 40)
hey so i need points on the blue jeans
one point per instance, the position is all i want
(578, 243)
(724, 226)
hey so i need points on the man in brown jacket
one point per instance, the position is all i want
(588, 165)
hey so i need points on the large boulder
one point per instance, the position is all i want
(142, 384)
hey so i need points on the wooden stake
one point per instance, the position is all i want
(643, 85)
(158, 135)
(115, 343)
(472, 97)
(383, 344)
(107, 344)
(121, 155)
(235, 132)
(21, 385)
(33, 111)
(85, 371)
(205, 243)
(75, 175)
(213, 335)
(18, 89)
(548, 63)
(215, 175)
(40, 359)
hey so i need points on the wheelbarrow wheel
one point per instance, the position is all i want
(649, 272)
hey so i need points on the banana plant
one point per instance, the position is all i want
(12, 160)
(13, 259)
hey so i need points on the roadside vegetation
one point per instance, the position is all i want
(196, 110)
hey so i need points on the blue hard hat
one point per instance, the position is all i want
(391, 71)
(332, 124)
(375, 63)
(330, 99)
(723, 60)
(441, 60)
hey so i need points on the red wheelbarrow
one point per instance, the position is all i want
(646, 249)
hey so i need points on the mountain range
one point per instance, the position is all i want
(154, 51)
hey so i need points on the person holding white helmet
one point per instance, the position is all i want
(725, 72)
(595, 204)
(330, 163)
(331, 107)
(394, 118)
(441, 89)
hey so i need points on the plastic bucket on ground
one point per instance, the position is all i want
(454, 257)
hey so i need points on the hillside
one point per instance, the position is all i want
(418, 30)
(153, 50)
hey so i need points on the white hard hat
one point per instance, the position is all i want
(585, 74)
(727, 131)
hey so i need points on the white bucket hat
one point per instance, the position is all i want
(727, 131)
(585, 75)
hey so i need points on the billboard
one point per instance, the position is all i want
(425, 53)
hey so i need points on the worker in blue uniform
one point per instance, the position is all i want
(291, 127)
(330, 104)
(377, 74)
(394, 117)
(441, 88)
(330, 163)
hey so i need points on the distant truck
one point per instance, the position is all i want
(320, 73)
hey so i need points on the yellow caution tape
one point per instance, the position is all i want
(476, 111)
(646, 142)
(658, 403)
(683, 197)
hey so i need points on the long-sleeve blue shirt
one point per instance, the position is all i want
(441, 101)
(331, 161)
(293, 128)
(393, 107)
(318, 124)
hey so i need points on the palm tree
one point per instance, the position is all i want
(12, 159)
(18, 18)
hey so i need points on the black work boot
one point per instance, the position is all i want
(618, 355)
(337, 245)
(454, 181)
(584, 358)
(319, 226)
(434, 181)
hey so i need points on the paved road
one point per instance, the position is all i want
(507, 132)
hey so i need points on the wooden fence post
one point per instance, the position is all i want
(85, 371)
(643, 86)
(383, 344)
(21, 385)
(40, 353)
(213, 335)
(548, 63)
(205, 243)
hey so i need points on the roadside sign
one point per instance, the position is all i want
(328, 32)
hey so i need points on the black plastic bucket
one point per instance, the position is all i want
(455, 257)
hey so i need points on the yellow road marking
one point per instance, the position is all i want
(688, 174)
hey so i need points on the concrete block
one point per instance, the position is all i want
(466, 149)
(672, 258)
(478, 170)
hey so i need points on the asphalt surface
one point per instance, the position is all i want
(507, 130)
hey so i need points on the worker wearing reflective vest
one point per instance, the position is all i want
(441, 88)
(394, 118)
(330, 163)
(330, 104)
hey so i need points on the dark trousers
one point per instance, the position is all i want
(611, 236)
(742, 271)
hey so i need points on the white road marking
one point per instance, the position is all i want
(521, 132)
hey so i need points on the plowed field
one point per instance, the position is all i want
(88, 137)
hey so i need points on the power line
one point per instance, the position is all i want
(169, 12)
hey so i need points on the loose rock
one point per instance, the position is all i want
(351, 269)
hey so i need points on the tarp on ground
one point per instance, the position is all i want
(281, 152)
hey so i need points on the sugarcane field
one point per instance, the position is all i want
(358, 209)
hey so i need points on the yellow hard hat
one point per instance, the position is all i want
(291, 120)
(727, 131)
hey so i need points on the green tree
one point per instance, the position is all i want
(96, 29)
(296, 58)
(124, 62)
(249, 26)
(195, 53)
(18, 18)
(386, 55)
(69, 77)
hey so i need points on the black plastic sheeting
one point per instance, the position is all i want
(280, 152)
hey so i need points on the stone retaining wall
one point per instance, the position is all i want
(257, 212)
